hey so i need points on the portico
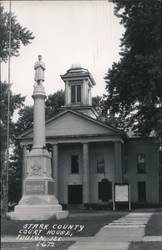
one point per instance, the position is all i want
(74, 165)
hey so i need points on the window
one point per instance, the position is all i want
(141, 163)
(100, 163)
(74, 164)
(141, 191)
(75, 93)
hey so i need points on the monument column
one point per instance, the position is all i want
(55, 167)
(38, 201)
(39, 116)
(85, 173)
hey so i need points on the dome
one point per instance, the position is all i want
(76, 66)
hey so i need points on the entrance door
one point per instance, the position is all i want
(105, 190)
(75, 194)
(141, 191)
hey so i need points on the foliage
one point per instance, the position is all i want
(19, 35)
(15, 175)
(54, 102)
(133, 85)
(16, 161)
(24, 121)
(16, 102)
(97, 103)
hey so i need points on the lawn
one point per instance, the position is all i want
(32, 246)
(92, 223)
(145, 246)
(154, 226)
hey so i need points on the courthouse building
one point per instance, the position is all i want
(89, 156)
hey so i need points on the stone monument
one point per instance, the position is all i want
(38, 201)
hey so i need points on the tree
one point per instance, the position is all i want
(19, 35)
(133, 85)
(97, 103)
(54, 102)
(16, 102)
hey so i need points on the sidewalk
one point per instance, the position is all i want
(117, 235)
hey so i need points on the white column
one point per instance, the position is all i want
(66, 93)
(39, 116)
(85, 173)
(55, 167)
(90, 96)
(84, 93)
(118, 163)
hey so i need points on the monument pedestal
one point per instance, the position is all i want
(37, 212)
(38, 201)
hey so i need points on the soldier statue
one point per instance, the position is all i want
(39, 71)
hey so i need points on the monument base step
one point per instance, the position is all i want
(37, 215)
(38, 208)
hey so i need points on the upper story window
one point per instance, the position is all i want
(100, 163)
(75, 164)
(141, 164)
(75, 93)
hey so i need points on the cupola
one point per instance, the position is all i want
(78, 84)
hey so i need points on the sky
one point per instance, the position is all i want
(66, 33)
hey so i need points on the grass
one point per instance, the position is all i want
(91, 223)
(154, 226)
(145, 246)
(32, 246)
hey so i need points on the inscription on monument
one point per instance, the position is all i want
(35, 187)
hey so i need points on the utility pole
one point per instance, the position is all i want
(0, 70)
(8, 114)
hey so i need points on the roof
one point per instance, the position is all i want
(77, 72)
(79, 115)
